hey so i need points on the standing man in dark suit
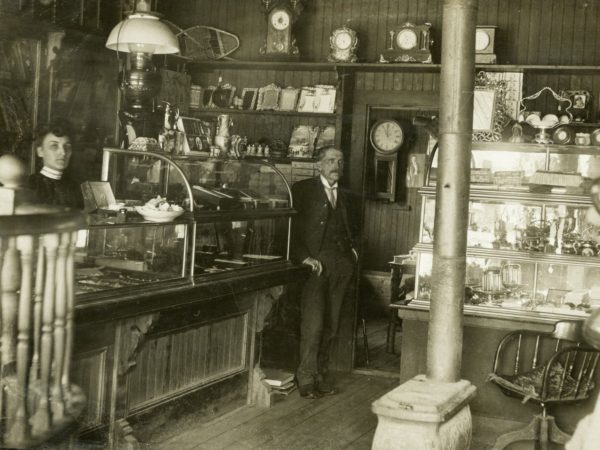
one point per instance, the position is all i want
(321, 239)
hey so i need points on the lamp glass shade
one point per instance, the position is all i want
(144, 32)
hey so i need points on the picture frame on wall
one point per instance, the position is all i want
(249, 96)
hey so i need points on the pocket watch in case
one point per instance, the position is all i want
(409, 43)
(343, 42)
(484, 44)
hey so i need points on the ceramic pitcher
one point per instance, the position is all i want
(222, 138)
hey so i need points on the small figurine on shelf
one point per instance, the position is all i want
(259, 151)
(267, 151)
(251, 150)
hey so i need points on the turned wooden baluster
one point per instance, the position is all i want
(34, 372)
(60, 312)
(66, 378)
(2, 412)
(20, 430)
(9, 278)
(41, 421)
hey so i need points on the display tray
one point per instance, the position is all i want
(94, 279)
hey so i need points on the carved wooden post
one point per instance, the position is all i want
(19, 432)
(42, 419)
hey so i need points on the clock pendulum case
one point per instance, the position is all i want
(279, 41)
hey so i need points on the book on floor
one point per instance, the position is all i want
(277, 377)
(290, 386)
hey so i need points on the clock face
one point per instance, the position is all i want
(406, 39)
(280, 20)
(482, 40)
(387, 136)
(343, 40)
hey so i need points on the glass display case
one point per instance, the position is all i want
(530, 249)
(124, 256)
(239, 209)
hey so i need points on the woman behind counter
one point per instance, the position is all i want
(51, 185)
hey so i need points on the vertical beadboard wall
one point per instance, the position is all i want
(530, 32)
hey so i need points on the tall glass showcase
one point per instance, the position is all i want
(531, 252)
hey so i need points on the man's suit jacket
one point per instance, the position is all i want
(308, 226)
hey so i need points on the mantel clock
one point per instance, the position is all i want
(484, 44)
(343, 42)
(281, 15)
(409, 43)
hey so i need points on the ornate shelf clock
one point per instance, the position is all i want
(281, 15)
(409, 43)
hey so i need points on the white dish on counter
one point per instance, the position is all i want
(155, 215)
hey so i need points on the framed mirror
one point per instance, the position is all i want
(249, 96)
(489, 109)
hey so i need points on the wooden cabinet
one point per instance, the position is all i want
(19, 94)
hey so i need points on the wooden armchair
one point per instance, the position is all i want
(549, 369)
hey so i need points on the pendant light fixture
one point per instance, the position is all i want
(141, 35)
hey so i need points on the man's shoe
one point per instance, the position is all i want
(326, 389)
(309, 392)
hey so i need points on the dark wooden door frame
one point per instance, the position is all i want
(363, 102)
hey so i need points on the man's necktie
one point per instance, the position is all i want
(331, 194)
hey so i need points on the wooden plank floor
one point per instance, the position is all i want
(342, 421)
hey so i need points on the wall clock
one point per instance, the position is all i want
(409, 43)
(281, 15)
(386, 137)
(484, 44)
(343, 42)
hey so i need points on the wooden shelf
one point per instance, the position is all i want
(524, 196)
(213, 111)
(386, 67)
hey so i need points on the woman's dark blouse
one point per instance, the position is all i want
(63, 192)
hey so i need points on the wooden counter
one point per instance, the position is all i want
(480, 339)
(167, 344)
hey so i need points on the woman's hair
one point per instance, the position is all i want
(58, 127)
